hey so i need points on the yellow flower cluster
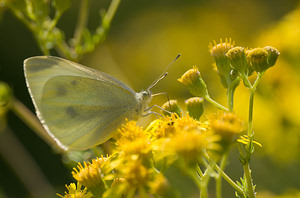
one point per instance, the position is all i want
(132, 167)
(91, 174)
(76, 192)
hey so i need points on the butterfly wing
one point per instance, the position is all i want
(78, 106)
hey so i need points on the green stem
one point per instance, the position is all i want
(219, 178)
(230, 93)
(81, 22)
(195, 177)
(106, 21)
(226, 177)
(229, 180)
(219, 106)
(206, 177)
(250, 115)
(246, 166)
(199, 171)
(248, 178)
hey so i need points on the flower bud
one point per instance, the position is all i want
(194, 82)
(238, 59)
(273, 54)
(195, 107)
(258, 59)
(171, 106)
(218, 52)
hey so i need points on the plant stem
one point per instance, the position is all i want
(248, 178)
(229, 180)
(81, 22)
(219, 106)
(246, 166)
(199, 171)
(219, 178)
(250, 115)
(226, 177)
(206, 176)
(230, 93)
(110, 13)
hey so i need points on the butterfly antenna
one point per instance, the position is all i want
(164, 74)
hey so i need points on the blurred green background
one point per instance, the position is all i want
(145, 37)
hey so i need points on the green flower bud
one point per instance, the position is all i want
(218, 52)
(194, 82)
(258, 59)
(238, 59)
(273, 54)
(195, 107)
(171, 106)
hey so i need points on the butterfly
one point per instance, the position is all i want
(80, 107)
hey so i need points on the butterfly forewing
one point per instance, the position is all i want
(78, 106)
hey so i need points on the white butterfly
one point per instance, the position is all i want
(78, 106)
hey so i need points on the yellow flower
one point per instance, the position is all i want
(228, 126)
(161, 128)
(133, 140)
(189, 145)
(194, 82)
(188, 123)
(135, 173)
(187, 139)
(129, 132)
(76, 192)
(91, 174)
(118, 181)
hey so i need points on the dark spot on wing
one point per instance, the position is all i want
(71, 111)
(74, 82)
(61, 91)
(36, 66)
